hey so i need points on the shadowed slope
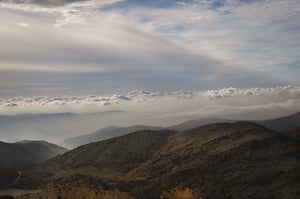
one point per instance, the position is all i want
(116, 155)
(214, 161)
(27, 153)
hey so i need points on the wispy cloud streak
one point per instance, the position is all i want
(177, 45)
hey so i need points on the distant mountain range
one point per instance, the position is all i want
(224, 160)
(52, 127)
(25, 154)
(282, 124)
(278, 124)
(187, 125)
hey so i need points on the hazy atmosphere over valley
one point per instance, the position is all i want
(127, 62)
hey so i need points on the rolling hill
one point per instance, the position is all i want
(222, 160)
(25, 154)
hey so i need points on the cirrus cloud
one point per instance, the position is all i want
(116, 46)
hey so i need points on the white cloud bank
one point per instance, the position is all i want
(137, 107)
(228, 101)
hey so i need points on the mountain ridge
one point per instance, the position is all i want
(282, 124)
(104, 133)
(27, 153)
(278, 124)
(224, 160)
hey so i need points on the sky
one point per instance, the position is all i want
(73, 47)
(146, 62)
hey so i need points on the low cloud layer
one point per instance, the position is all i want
(55, 118)
(140, 101)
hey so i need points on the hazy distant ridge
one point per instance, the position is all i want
(27, 153)
(278, 124)
(105, 133)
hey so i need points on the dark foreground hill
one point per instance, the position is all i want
(17, 157)
(25, 154)
(240, 160)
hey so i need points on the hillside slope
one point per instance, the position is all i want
(214, 161)
(27, 153)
